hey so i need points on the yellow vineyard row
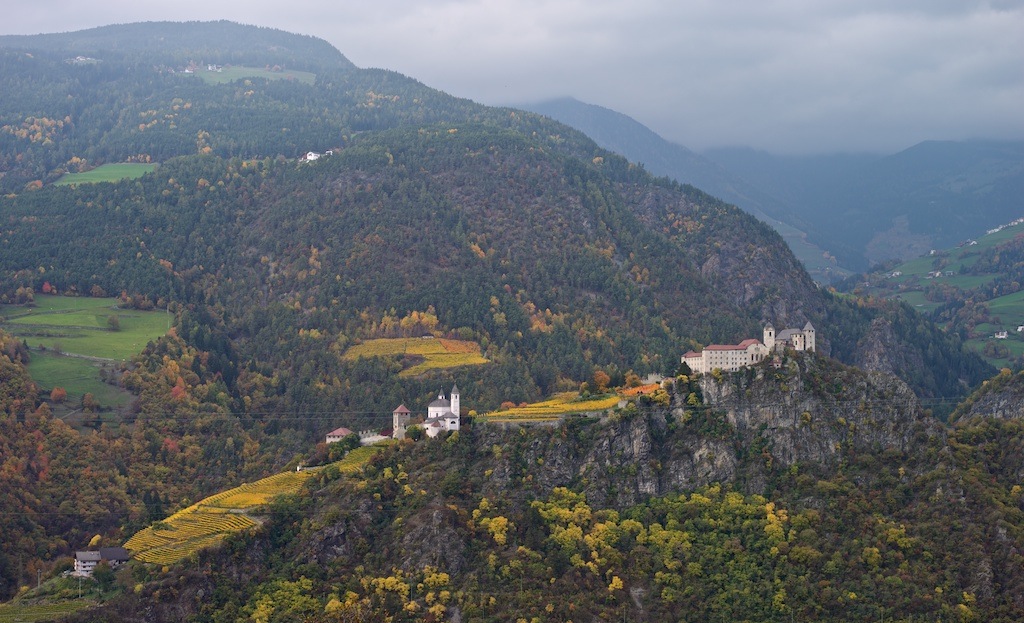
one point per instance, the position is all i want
(554, 408)
(212, 519)
(438, 353)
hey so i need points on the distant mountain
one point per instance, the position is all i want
(638, 143)
(868, 208)
(622, 134)
(859, 208)
(219, 42)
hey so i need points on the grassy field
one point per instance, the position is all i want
(16, 611)
(76, 375)
(107, 173)
(80, 325)
(1006, 311)
(230, 74)
(72, 339)
(424, 354)
(211, 520)
(554, 408)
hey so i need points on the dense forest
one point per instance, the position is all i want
(432, 215)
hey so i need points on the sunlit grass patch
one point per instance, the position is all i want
(557, 406)
(436, 354)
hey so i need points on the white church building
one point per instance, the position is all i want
(443, 414)
(729, 357)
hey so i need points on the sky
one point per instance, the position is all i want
(785, 76)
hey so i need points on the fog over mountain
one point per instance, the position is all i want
(786, 77)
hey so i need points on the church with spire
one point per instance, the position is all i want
(443, 414)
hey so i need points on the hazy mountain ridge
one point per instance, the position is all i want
(220, 42)
(934, 194)
(861, 208)
(624, 135)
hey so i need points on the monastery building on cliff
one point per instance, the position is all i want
(728, 357)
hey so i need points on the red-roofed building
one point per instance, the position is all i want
(726, 357)
(338, 434)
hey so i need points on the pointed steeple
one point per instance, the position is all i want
(455, 399)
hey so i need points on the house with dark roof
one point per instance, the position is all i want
(85, 562)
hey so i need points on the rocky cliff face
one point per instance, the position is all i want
(810, 410)
(1001, 397)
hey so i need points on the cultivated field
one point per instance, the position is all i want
(424, 354)
(15, 611)
(556, 407)
(211, 520)
(107, 173)
(908, 281)
(230, 74)
(72, 338)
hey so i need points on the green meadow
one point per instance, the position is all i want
(230, 74)
(107, 173)
(73, 337)
(1006, 312)
(77, 376)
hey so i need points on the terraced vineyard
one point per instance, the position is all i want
(209, 521)
(22, 613)
(554, 408)
(425, 354)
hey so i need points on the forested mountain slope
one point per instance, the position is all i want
(844, 502)
(433, 215)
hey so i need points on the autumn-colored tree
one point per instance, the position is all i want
(58, 395)
(89, 402)
(601, 380)
(633, 379)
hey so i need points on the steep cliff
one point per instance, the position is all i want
(810, 410)
(1001, 397)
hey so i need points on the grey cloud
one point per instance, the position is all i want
(782, 75)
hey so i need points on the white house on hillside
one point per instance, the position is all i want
(85, 562)
(726, 357)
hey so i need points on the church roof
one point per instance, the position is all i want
(340, 432)
(401, 409)
(440, 402)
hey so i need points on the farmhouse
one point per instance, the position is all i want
(85, 562)
(442, 415)
(728, 357)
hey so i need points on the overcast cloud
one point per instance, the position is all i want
(789, 76)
